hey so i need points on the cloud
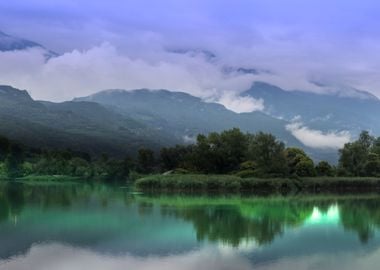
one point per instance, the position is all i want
(43, 256)
(241, 104)
(189, 139)
(297, 43)
(80, 73)
(316, 138)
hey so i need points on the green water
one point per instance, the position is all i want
(100, 227)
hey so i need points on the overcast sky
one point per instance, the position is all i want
(135, 43)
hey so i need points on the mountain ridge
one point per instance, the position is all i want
(11, 43)
(155, 118)
(324, 112)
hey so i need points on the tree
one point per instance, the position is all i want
(174, 157)
(145, 160)
(80, 167)
(323, 168)
(372, 166)
(14, 161)
(293, 157)
(234, 146)
(118, 170)
(4, 148)
(268, 154)
(376, 146)
(354, 155)
(305, 168)
(219, 152)
(247, 169)
(202, 158)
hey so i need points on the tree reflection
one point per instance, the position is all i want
(4, 208)
(230, 226)
(361, 216)
(262, 220)
(231, 221)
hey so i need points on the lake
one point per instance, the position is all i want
(48, 227)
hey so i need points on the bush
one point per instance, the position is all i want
(228, 183)
(305, 168)
(324, 169)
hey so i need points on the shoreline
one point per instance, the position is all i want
(233, 184)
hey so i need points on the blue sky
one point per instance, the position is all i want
(334, 42)
(238, 21)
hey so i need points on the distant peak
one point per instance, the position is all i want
(139, 93)
(263, 87)
(2, 34)
(12, 43)
(11, 92)
(344, 91)
(209, 55)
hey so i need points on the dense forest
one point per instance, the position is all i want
(229, 152)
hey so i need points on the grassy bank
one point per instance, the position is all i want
(49, 178)
(230, 183)
(43, 178)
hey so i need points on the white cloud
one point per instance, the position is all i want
(316, 138)
(44, 256)
(80, 73)
(297, 42)
(189, 139)
(241, 104)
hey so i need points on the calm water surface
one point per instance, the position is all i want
(98, 227)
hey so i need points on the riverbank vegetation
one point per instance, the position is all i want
(230, 160)
(235, 184)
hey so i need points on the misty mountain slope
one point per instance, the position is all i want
(354, 111)
(84, 126)
(121, 122)
(10, 43)
(183, 114)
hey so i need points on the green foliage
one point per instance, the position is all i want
(218, 153)
(323, 168)
(181, 171)
(247, 169)
(268, 154)
(305, 168)
(174, 157)
(205, 183)
(361, 157)
(23, 162)
(145, 160)
(372, 166)
(293, 157)
(2, 169)
(230, 183)
(248, 165)
(246, 173)
(4, 148)
(133, 176)
(13, 161)
(230, 151)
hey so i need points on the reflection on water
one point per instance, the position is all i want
(99, 227)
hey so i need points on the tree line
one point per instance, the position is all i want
(227, 152)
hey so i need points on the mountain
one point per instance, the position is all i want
(120, 122)
(83, 126)
(10, 43)
(184, 116)
(349, 109)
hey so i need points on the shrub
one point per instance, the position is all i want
(246, 173)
